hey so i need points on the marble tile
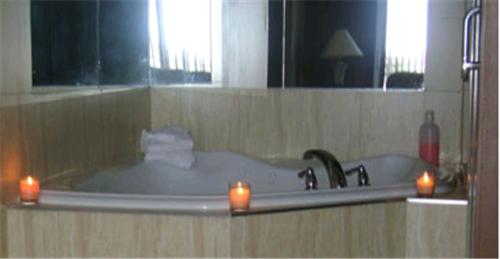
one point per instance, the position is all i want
(391, 229)
(278, 123)
(444, 58)
(390, 123)
(262, 123)
(64, 127)
(142, 112)
(33, 139)
(349, 231)
(377, 230)
(3, 231)
(213, 119)
(436, 230)
(12, 157)
(446, 8)
(371, 230)
(94, 135)
(164, 107)
(49, 233)
(321, 119)
(71, 135)
(121, 134)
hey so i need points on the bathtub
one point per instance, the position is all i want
(156, 186)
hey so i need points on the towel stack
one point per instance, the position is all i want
(171, 145)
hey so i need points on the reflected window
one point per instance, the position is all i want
(181, 40)
(406, 38)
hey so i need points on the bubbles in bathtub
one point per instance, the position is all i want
(272, 178)
(301, 181)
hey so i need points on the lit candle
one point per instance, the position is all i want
(29, 188)
(239, 196)
(425, 185)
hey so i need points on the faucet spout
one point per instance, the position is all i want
(335, 172)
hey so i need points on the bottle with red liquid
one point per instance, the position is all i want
(429, 140)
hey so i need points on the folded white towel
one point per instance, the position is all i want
(181, 159)
(171, 145)
(157, 138)
(162, 148)
(166, 134)
(166, 139)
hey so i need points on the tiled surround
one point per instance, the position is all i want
(51, 234)
(436, 230)
(370, 230)
(284, 123)
(50, 136)
(444, 48)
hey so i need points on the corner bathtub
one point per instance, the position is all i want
(156, 186)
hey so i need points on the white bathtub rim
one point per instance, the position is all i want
(220, 204)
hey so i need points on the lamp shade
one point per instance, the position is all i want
(341, 44)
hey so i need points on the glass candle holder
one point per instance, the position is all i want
(29, 190)
(239, 196)
(426, 184)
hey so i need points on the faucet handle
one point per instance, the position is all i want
(311, 181)
(363, 179)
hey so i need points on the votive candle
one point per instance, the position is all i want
(239, 196)
(29, 189)
(425, 185)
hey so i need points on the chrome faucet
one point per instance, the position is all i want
(311, 181)
(335, 172)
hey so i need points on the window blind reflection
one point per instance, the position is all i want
(406, 36)
(180, 34)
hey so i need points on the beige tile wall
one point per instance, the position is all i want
(392, 229)
(51, 234)
(284, 123)
(369, 230)
(3, 232)
(444, 48)
(73, 134)
(436, 230)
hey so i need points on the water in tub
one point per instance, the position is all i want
(209, 175)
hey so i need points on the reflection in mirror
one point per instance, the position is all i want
(229, 43)
(91, 42)
(63, 39)
(180, 34)
(354, 44)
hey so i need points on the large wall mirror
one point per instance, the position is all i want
(230, 43)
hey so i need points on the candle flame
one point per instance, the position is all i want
(426, 177)
(30, 180)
